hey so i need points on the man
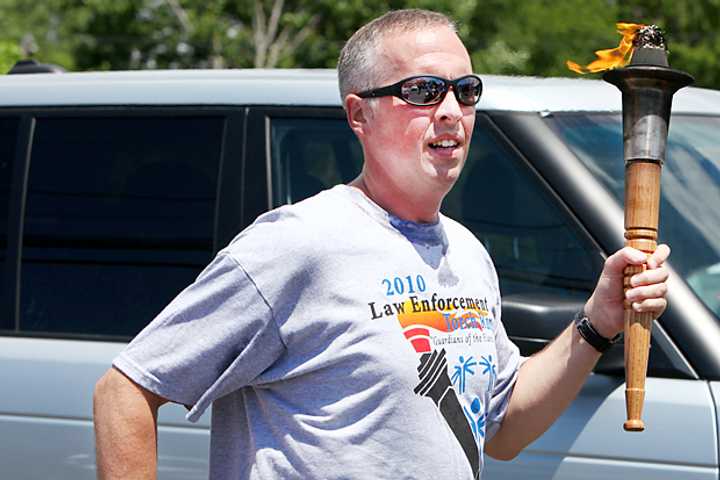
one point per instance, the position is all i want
(324, 334)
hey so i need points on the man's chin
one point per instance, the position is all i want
(445, 179)
(447, 171)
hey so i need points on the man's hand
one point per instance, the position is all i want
(647, 292)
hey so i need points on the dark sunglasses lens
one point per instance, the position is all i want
(423, 90)
(469, 90)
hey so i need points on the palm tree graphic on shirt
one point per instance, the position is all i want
(490, 369)
(461, 370)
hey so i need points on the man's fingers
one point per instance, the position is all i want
(648, 287)
(661, 253)
(645, 292)
(649, 277)
(655, 305)
(616, 263)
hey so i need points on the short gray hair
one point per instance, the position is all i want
(358, 68)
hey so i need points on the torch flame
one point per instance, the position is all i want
(612, 57)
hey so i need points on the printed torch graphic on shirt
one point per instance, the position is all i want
(427, 327)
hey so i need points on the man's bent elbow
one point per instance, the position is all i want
(504, 451)
(503, 455)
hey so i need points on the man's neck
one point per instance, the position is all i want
(419, 209)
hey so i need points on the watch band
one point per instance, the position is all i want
(591, 336)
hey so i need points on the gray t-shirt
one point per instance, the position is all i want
(336, 341)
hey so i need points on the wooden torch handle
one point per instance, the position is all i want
(642, 206)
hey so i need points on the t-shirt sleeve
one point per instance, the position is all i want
(509, 361)
(508, 366)
(215, 337)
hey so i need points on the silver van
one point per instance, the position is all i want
(118, 187)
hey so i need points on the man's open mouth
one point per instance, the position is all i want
(444, 144)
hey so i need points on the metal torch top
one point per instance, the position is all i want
(650, 36)
(649, 47)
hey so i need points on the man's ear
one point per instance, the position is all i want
(357, 114)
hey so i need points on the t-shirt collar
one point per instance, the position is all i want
(425, 233)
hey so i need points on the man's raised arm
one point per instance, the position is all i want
(549, 380)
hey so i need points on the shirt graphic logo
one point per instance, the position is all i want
(429, 331)
(435, 384)
(436, 327)
(427, 328)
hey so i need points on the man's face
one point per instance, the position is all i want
(415, 149)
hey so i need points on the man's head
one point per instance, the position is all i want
(412, 153)
(359, 67)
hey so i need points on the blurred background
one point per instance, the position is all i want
(530, 37)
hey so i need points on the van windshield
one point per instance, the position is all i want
(690, 190)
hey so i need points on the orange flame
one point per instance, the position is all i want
(612, 57)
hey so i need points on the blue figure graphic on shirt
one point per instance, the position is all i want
(490, 369)
(476, 418)
(461, 371)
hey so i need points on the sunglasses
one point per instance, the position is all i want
(425, 90)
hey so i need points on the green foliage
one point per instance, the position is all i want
(9, 54)
(45, 30)
(536, 36)
(691, 29)
(530, 37)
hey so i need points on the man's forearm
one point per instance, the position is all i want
(125, 429)
(547, 383)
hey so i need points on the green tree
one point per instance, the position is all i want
(9, 54)
(691, 28)
(530, 37)
(44, 30)
(536, 37)
(223, 33)
(131, 34)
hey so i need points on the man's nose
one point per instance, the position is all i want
(449, 110)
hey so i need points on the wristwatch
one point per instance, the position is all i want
(591, 336)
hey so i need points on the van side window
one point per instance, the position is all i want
(532, 241)
(8, 143)
(119, 219)
(310, 155)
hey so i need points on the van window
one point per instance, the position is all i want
(534, 244)
(689, 195)
(119, 218)
(8, 144)
(310, 155)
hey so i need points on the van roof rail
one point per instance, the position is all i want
(33, 66)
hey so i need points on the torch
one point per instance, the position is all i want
(647, 84)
